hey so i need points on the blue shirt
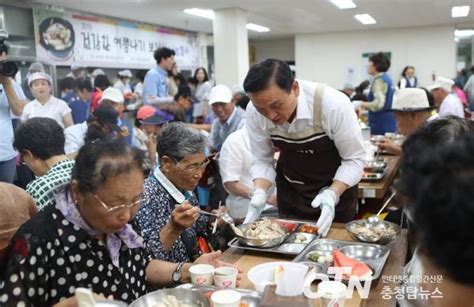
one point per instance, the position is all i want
(6, 129)
(155, 84)
(79, 108)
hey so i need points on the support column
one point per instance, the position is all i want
(231, 47)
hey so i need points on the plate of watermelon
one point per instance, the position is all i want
(366, 260)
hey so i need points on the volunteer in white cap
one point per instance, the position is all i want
(45, 104)
(77, 71)
(411, 108)
(446, 101)
(123, 83)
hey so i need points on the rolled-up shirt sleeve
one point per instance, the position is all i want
(379, 90)
(261, 147)
(340, 123)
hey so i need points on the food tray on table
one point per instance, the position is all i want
(371, 176)
(373, 255)
(249, 298)
(299, 236)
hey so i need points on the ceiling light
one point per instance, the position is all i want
(209, 14)
(460, 11)
(464, 33)
(344, 4)
(365, 19)
(257, 28)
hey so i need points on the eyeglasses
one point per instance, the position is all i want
(119, 208)
(193, 168)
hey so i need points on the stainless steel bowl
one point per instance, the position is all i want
(363, 252)
(323, 245)
(354, 228)
(191, 297)
(262, 243)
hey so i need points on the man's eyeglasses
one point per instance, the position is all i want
(118, 208)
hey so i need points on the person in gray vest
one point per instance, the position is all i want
(321, 148)
(228, 117)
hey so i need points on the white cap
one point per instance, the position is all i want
(410, 100)
(76, 67)
(220, 93)
(112, 94)
(125, 73)
(39, 76)
(443, 83)
(97, 72)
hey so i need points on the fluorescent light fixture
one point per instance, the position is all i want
(464, 33)
(365, 19)
(209, 14)
(344, 4)
(257, 28)
(460, 11)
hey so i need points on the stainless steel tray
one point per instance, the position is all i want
(251, 298)
(373, 255)
(287, 247)
(373, 176)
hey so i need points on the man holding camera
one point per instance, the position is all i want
(12, 99)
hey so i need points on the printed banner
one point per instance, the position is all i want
(63, 38)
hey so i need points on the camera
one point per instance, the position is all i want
(7, 68)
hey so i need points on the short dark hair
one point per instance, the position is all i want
(141, 75)
(101, 159)
(83, 84)
(381, 62)
(4, 48)
(102, 82)
(163, 53)
(404, 72)
(67, 83)
(440, 189)
(183, 91)
(263, 74)
(42, 136)
(243, 102)
(206, 77)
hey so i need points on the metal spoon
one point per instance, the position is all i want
(375, 218)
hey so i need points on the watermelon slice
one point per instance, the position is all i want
(359, 269)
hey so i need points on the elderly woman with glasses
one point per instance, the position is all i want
(86, 239)
(169, 217)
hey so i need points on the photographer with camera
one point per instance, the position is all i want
(12, 99)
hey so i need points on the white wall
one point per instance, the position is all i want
(282, 49)
(326, 57)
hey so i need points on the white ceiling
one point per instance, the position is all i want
(284, 17)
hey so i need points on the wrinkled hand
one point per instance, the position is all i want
(214, 260)
(184, 216)
(390, 147)
(256, 205)
(151, 140)
(327, 201)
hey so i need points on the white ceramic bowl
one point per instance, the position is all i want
(262, 275)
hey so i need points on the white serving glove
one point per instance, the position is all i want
(327, 200)
(257, 203)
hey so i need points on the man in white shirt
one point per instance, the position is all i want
(235, 161)
(446, 101)
(320, 142)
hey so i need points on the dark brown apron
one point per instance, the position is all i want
(308, 162)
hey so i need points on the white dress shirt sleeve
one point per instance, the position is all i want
(231, 158)
(261, 146)
(340, 123)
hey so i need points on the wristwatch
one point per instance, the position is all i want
(176, 276)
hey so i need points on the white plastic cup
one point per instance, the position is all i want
(332, 293)
(225, 277)
(226, 298)
(201, 274)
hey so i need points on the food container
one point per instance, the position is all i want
(183, 295)
(263, 274)
(375, 166)
(381, 232)
(265, 243)
(248, 298)
(373, 255)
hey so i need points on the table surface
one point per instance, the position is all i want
(393, 266)
(378, 189)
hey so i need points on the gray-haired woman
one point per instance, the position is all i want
(169, 217)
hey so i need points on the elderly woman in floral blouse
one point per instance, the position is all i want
(86, 239)
(169, 217)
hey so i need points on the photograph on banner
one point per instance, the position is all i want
(64, 37)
